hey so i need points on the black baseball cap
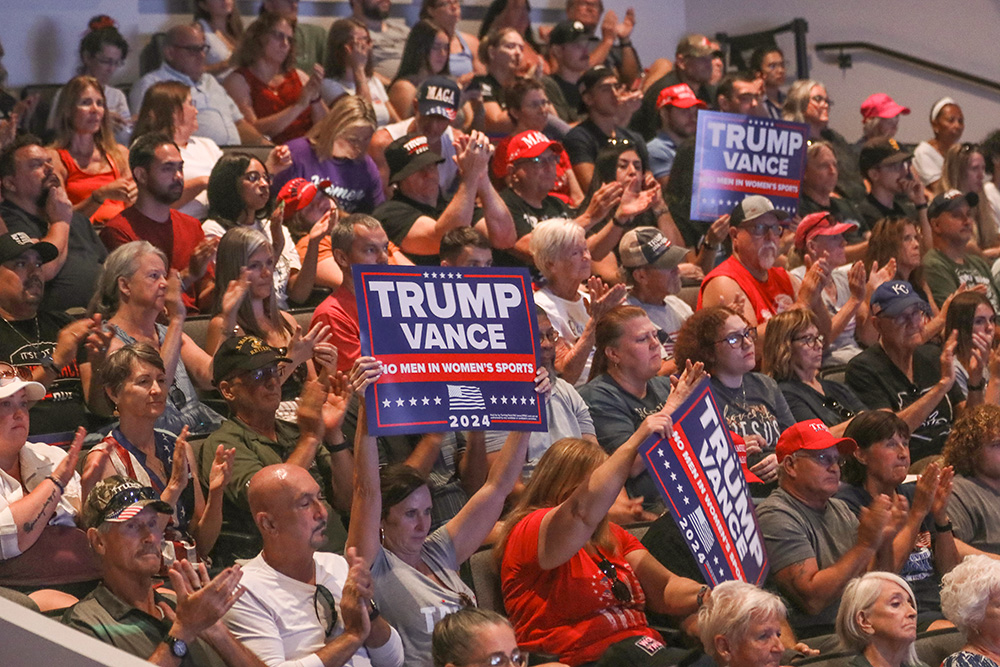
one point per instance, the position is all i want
(438, 96)
(15, 243)
(881, 151)
(409, 154)
(949, 201)
(594, 76)
(567, 32)
(243, 353)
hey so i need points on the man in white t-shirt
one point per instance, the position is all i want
(301, 605)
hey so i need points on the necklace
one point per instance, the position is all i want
(38, 333)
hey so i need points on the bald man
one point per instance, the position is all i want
(301, 604)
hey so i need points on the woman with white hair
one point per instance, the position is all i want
(740, 626)
(878, 620)
(970, 598)
(559, 248)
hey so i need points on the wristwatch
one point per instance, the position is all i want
(177, 646)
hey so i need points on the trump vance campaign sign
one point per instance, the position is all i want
(459, 348)
(698, 473)
(737, 155)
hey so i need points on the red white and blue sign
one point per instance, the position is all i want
(736, 156)
(459, 348)
(698, 473)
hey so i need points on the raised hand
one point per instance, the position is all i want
(174, 302)
(948, 361)
(98, 339)
(603, 298)
(682, 386)
(64, 469)
(857, 280)
(222, 468)
(278, 160)
(201, 257)
(301, 347)
(357, 592)
(873, 521)
(201, 602)
(366, 371)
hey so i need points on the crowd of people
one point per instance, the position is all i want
(211, 495)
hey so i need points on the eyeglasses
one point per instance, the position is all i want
(820, 100)
(325, 608)
(778, 65)
(536, 106)
(544, 160)
(254, 176)
(263, 374)
(551, 335)
(500, 659)
(618, 140)
(834, 404)
(811, 340)
(760, 230)
(193, 49)
(735, 339)
(621, 590)
(110, 62)
(825, 460)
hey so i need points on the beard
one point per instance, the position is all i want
(374, 12)
(767, 256)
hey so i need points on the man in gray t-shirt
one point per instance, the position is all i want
(814, 542)
(974, 510)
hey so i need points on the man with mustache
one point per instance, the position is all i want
(302, 604)
(158, 169)
(124, 522)
(35, 204)
(750, 275)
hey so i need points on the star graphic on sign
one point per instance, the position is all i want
(673, 477)
(721, 573)
(458, 275)
(426, 401)
(524, 401)
(413, 401)
(437, 400)
(667, 465)
(399, 402)
(686, 501)
(680, 489)
(426, 275)
(531, 400)
(513, 400)
(493, 400)
(503, 399)
(451, 275)
(659, 452)
(386, 403)
(716, 559)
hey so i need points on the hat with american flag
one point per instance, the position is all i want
(117, 499)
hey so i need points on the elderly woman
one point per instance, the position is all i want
(808, 103)
(879, 466)
(793, 356)
(280, 101)
(877, 619)
(335, 152)
(134, 289)
(970, 596)
(473, 636)
(349, 69)
(40, 499)
(574, 584)
(136, 383)
(424, 55)
(947, 123)
(740, 626)
(561, 254)
(752, 404)
(93, 166)
(415, 571)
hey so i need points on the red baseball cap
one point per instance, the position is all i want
(813, 435)
(530, 144)
(299, 193)
(819, 224)
(741, 452)
(881, 105)
(679, 95)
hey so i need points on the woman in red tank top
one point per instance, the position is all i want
(282, 102)
(90, 162)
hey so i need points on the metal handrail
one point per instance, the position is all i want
(844, 61)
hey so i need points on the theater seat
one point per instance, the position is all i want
(486, 581)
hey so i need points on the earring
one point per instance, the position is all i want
(381, 535)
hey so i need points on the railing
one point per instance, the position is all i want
(844, 61)
(740, 45)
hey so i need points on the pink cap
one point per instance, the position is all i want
(881, 105)
(819, 224)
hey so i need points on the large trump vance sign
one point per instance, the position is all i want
(459, 348)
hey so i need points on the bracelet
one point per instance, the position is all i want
(977, 387)
(943, 528)
(625, 43)
(60, 485)
(701, 596)
(921, 207)
(623, 225)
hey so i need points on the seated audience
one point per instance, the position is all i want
(433, 110)
(349, 70)
(463, 635)
(742, 93)
(965, 170)
(793, 356)
(417, 216)
(817, 195)
(309, 39)
(219, 118)
(814, 542)
(809, 103)
(740, 626)
(247, 372)
(504, 15)
(922, 552)
(878, 621)
(693, 66)
(625, 387)
(102, 51)
(133, 292)
(574, 584)
(502, 51)
(388, 35)
(92, 165)
(967, 595)
(678, 108)
(42, 552)
(972, 315)
(425, 54)
(751, 403)
(303, 604)
(415, 571)
(223, 28)
(895, 193)
(621, 56)
(123, 521)
(947, 123)
(336, 150)
(895, 245)
(952, 260)
(561, 254)
(569, 47)
(136, 384)
(277, 99)
(463, 47)
(309, 216)
(608, 107)
(973, 508)
(768, 62)
(901, 374)
(158, 167)
(36, 204)
(880, 117)
(46, 343)
(167, 108)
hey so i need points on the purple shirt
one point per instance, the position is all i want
(354, 184)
